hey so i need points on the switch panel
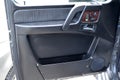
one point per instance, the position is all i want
(90, 16)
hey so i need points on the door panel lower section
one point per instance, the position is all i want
(66, 69)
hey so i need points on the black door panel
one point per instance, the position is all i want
(52, 42)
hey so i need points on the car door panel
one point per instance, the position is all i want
(42, 49)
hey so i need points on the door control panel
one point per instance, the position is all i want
(89, 20)
(90, 16)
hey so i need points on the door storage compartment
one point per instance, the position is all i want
(61, 59)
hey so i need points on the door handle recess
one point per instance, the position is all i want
(89, 27)
(73, 11)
